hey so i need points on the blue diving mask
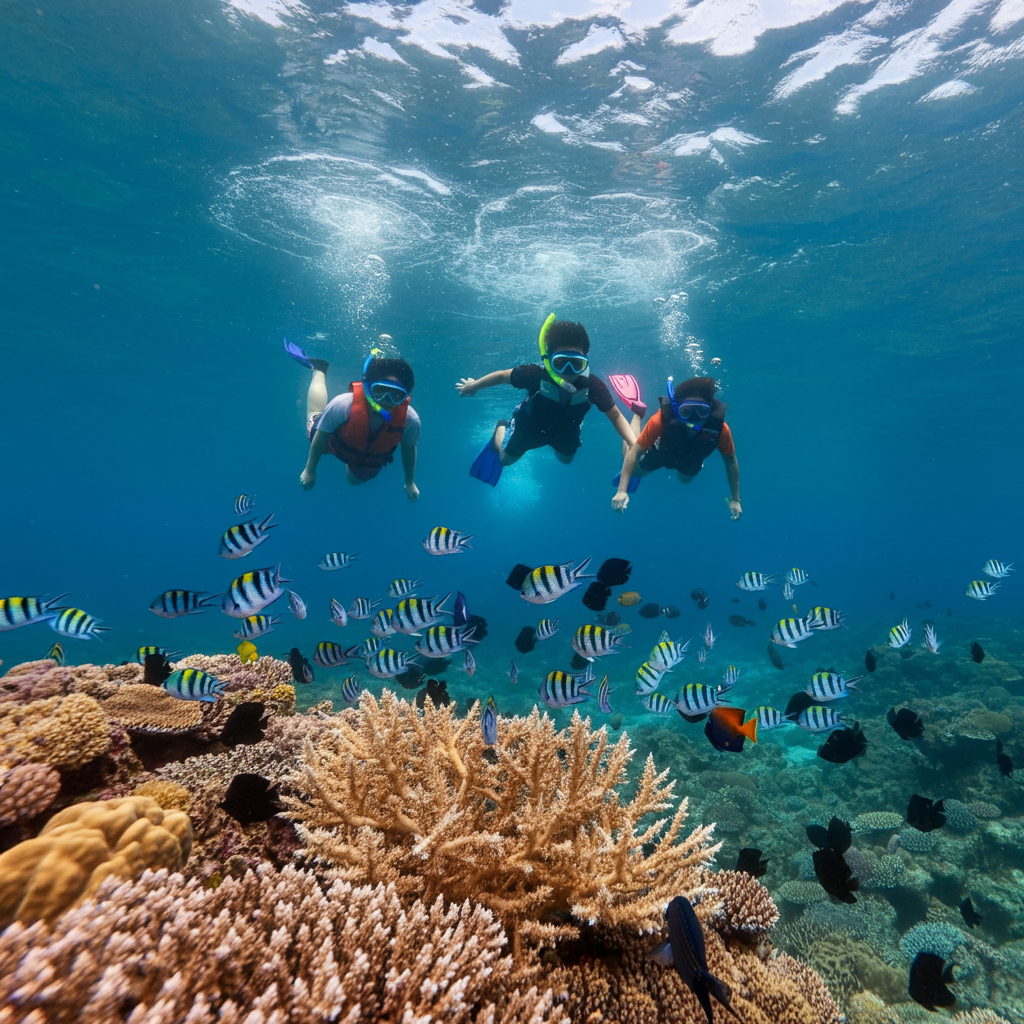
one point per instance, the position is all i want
(368, 389)
(388, 391)
(692, 411)
(574, 362)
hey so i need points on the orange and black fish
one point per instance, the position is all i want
(726, 730)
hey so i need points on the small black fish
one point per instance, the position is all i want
(837, 836)
(735, 600)
(700, 597)
(750, 863)
(929, 976)
(437, 691)
(527, 640)
(670, 611)
(892, 595)
(596, 597)
(156, 669)
(614, 572)
(739, 621)
(977, 654)
(830, 867)
(1003, 760)
(649, 611)
(774, 657)
(814, 583)
(968, 913)
(517, 575)
(762, 603)
(250, 798)
(844, 745)
(460, 613)
(578, 662)
(800, 701)
(302, 671)
(924, 814)
(478, 624)
(609, 619)
(906, 723)
(410, 678)
(870, 661)
(927, 603)
(246, 724)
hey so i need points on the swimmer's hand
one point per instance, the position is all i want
(620, 501)
(306, 479)
(466, 387)
(735, 509)
(412, 491)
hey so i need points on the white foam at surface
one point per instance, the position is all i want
(949, 90)
(696, 142)
(480, 78)
(598, 38)
(1008, 13)
(548, 123)
(850, 47)
(340, 57)
(431, 183)
(270, 11)
(986, 55)
(383, 50)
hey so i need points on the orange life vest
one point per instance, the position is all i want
(353, 442)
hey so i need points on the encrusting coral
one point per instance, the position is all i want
(26, 791)
(534, 828)
(37, 680)
(65, 732)
(142, 708)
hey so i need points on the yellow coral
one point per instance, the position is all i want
(169, 795)
(65, 732)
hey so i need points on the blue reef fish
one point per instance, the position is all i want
(547, 628)
(442, 541)
(296, 604)
(489, 722)
(237, 541)
(403, 587)
(996, 569)
(513, 673)
(831, 686)
(789, 632)
(336, 560)
(603, 690)
(899, 636)
(172, 604)
(751, 581)
(981, 590)
(460, 613)
(21, 611)
(591, 641)
(547, 583)
(147, 651)
(244, 504)
(382, 625)
(444, 641)
(469, 663)
(56, 653)
(826, 618)
(386, 663)
(560, 689)
(253, 626)
(194, 684)
(251, 592)
(797, 576)
(362, 608)
(647, 678)
(75, 623)
(330, 655)
(351, 688)
(415, 613)
(338, 613)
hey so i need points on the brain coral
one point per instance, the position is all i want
(65, 732)
(79, 847)
(932, 937)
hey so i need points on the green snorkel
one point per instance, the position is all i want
(546, 358)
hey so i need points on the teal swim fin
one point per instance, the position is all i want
(487, 465)
(634, 482)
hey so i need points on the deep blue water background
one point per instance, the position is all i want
(158, 246)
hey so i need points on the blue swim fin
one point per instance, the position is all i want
(634, 482)
(487, 465)
(297, 354)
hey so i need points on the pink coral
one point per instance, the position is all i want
(747, 908)
(37, 680)
(26, 790)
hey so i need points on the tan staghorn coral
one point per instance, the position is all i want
(80, 847)
(535, 827)
(747, 909)
(264, 949)
(26, 791)
(65, 732)
(142, 708)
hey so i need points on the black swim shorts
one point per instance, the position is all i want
(523, 435)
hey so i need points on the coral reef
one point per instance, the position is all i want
(264, 674)
(26, 791)
(141, 708)
(64, 732)
(932, 937)
(169, 795)
(38, 680)
(877, 821)
(746, 907)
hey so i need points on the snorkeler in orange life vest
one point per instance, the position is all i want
(688, 427)
(559, 395)
(363, 426)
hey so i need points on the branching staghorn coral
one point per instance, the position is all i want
(535, 828)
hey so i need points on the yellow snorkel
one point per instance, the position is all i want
(546, 358)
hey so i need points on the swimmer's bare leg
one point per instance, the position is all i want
(498, 439)
(636, 425)
(316, 396)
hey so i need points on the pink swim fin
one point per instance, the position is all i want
(628, 390)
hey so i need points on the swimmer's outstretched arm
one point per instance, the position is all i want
(409, 465)
(732, 472)
(621, 425)
(468, 386)
(316, 448)
(621, 499)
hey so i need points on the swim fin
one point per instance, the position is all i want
(297, 354)
(634, 482)
(626, 387)
(487, 465)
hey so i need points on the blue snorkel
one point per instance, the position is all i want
(373, 404)
(695, 427)
(545, 357)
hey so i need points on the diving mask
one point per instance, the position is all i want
(693, 411)
(388, 391)
(573, 362)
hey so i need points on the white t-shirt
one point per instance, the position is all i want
(340, 408)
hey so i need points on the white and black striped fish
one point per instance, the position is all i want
(702, 655)
(78, 624)
(172, 604)
(381, 626)
(442, 541)
(253, 591)
(403, 588)
(751, 581)
(547, 628)
(443, 641)
(336, 560)
(899, 635)
(770, 718)
(592, 641)
(297, 605)
(996, 569)
(547, 583)
(797, 576)
(386, 664)
(329, 654)
(789, 632)
(830, 686)
(603, 690)
(696, 699)
(194, 684)
(56, 653)
(489, 722)
(732, 673)
(147, 651)
(362, 608)
(931, 641)
(709, 637)
(368, 648)
(981, 590)
(647, 678)
(787, 591)
(666, 654)
(658, 703)
(253, 626)
(826, 618)
(21, 611)
(350, 690)
(560, 689)
(338, 613)
(237, 541)
(469, 663)
(513, 673)
(244, 504)
(819, 719)
(416, 613)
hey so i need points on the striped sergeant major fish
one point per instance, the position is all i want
(826, 618)
(547, 583)
(647, 678)
(172, 604)
(148, 651)
(996, 569)
(403, 588)
(470, 663)
(362, 608)
(256, 625)
(732, 673)
(20, 611)
(489, 722)
(899, 636)
(819, 719)
(237, 541)
(751, 581)
(560, 689)
(770, 718)
(382, 625)
(981, 590)
(592, 642)
(442, 541)
(787, 591)
(789, 632)
(830, 686)
(296, 604)
(666, 653)
(386, 663)
(709, 637)
(603, 690)
(194, 684)
(350, 690)
(330, 655)
(251, 592)
(695, 700)
(547, 628)
(415, 613)
(56, 653)
(443, 641)
(797, 576)
(244, 504)
(658, 703)
(78, 624)
(338, 613)
(702, 655)
(931, 641)
(336, 560)
(513, 673)
(367, 649)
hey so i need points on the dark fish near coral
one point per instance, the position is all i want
(844, 745)
(614, 572)
(870, 661)
(650, 611)
(739, 621)
(1003, 760)
(460, 613)
(750, 863)
(250, 798)
(929, 976)
(578, 662)
(834, 874)
(906, 723)
(302, 671)
(762, 603)
(517, 575)
(700, 597)
(775, 658)
(685, 951)
(726, 730)
(670, 611)
(968, 913)
(596, 596)
(609, 619)
(977, 654)
(892, 595)
(437, 691)
(156, 669)
(925, 815)
(527, 640)
(798, 702)
(410, 679)
(246, 724)
(478, 624)
(489, 722)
